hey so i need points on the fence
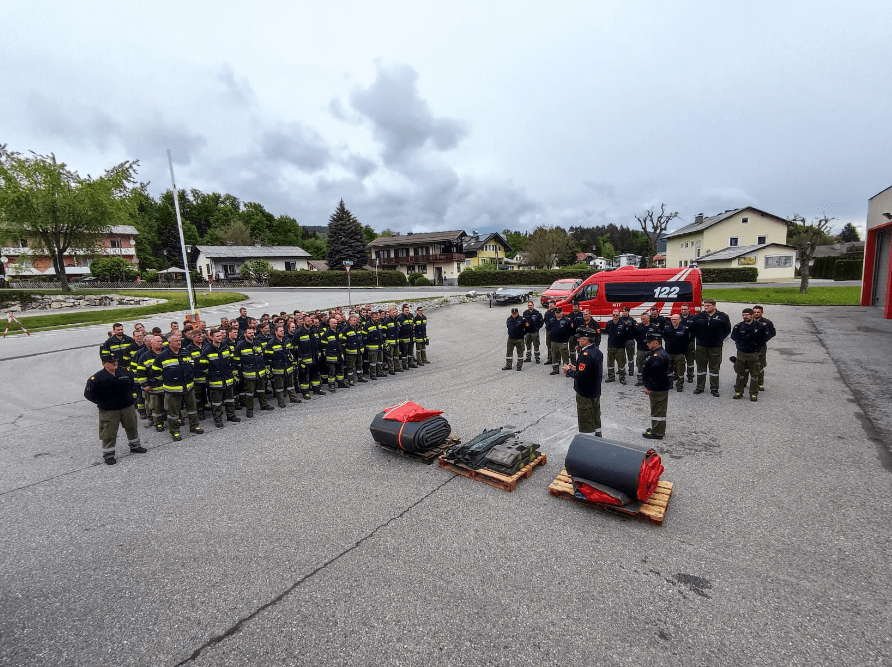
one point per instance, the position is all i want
(160, 285)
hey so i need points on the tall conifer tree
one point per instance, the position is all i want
(345, 240)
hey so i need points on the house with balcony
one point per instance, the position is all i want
(222, 262)
(745, 227)
(21, 261)
(488, 249)
(439, 256)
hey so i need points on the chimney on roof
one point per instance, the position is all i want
(257, 243)
(698, 219)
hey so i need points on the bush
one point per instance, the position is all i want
(533, 277)
(361, 278)
(412, 277)
(422, 282)
(149, 276)
(745, 274)
(848, 269)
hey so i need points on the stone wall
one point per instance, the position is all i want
(60, 301)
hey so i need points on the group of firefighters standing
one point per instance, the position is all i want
(663, 351)
(227, 368)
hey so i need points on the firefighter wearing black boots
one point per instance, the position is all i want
(642, 331)
(532, 323)
(249, 355)
(302, 351)
(373, 335)
(174, 366)
(688, 319)
(407, 342)
(215, 360)
(352, 342)
(630, 324)
(575, 318)
(750, 337)
(561, 331)
(193, 349)
(676, 338)
(419, 327)
(152, 385)
(616, 348)
(279, 362)
(333, 353)
(515, 324)
(546, 318)
(391, 342)
(111, 389)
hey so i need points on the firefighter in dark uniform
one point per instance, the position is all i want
(215, 361)
(405, 323)
(331, 350)
(616, 348)
(677, 337)
(750, 337)
(119, 344)
(642, 331)
(629, 321)
(373, 335)
(758, 316)
(419, 327)
(515, 324)
(576, 320)
(587, 376)
(251, 363)
(352, 342)
(561, 331)
(391, 346)
(656, 385)
(278, 359)
(111, 389)
(711, 328)
(174, 366)
(546, 318)
(688, 318)
(532, 322)
(154, 392)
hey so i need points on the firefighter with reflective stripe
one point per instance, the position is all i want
(320, 325)
(758, 316)
(405, 323)
(139, 374)
(193, 349)
(132, 365)
(279, 362)
(333, 352)
(373, 337)
(352, 342)
(688, 319)
(292, 376)
(111, 389)
(391, 346)
(307, 354)
(587, 376)
(750, 337)
(119, 344)
(215, 360)
(711, 328)
(419, 329)
(249, 355)
(152, 384)
(302, 353)
(677, 337)
(174, 366)
(657, 384)
(532, 323)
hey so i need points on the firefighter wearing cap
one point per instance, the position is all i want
(111, 389)
(587, 376)
(515, 324)
(655, 373)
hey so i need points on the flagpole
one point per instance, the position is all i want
(176, 203)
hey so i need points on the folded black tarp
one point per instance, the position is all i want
(626, 472)
(417, 436)
(473, 453)
(509, 457)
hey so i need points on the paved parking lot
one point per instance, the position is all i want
(290, 539)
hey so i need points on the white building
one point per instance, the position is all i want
(224, 261)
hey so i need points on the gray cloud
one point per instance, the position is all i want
(401, 120)
(238, 92)
(298, 145)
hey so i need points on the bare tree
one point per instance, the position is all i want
(654, 226)
(806, 236)
(549, 247)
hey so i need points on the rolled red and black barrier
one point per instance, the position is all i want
(410, 427)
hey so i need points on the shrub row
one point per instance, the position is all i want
(533, 277)
(361, 278)
(744, 274)
(848, 269)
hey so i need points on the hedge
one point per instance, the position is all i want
(745, 274)
(361, 278)
(532, 277)
(848, 269)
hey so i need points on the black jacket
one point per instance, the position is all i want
(655, 373)
(751, 337)
(711, 331)
(677, 340)
(561, 330)
(617, 333)
(642, 331)
(532, 320)
(516, 326)
(110, 392)
(589, 372)
(769, 327)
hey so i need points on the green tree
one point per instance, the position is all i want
(849, 234)
(113, 268)
(549, 247)
(317, 246)
(256, 269)
(56, 209)
(168, 234)
(805, 237)
(517, 240)
(345, 240)
(368, 234)
(235, 233)
(284, 231)
(605, 248)
(258, 221)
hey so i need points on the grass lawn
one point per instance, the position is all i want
(175, 301)
(790, 296)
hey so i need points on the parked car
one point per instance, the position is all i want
(86, 280)
(507, 294)
(560, 290)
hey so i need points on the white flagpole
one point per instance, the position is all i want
(176, 203)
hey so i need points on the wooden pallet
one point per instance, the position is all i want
(654, 510)
(427, 457)
(505, 482)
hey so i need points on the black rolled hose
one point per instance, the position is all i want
(410, 436)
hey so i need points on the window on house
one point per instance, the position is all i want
(290, 266)
(761, 239)
(422, 268)
(114, 243)
(698, 252)
(732, 241)
(23, 243)
(458, 267)
(744, 220)
(467, 262)
(679, 264)
(685, 244)
(778, 261)
(686, 262)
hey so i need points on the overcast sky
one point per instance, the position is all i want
(466, 115)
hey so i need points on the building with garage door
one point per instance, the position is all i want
(876, 285)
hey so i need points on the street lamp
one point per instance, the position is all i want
(347, 265)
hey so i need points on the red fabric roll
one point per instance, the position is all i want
(651, 469)
(596, 495)
(407, 411)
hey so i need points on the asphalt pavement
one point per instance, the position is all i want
(291, 539)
